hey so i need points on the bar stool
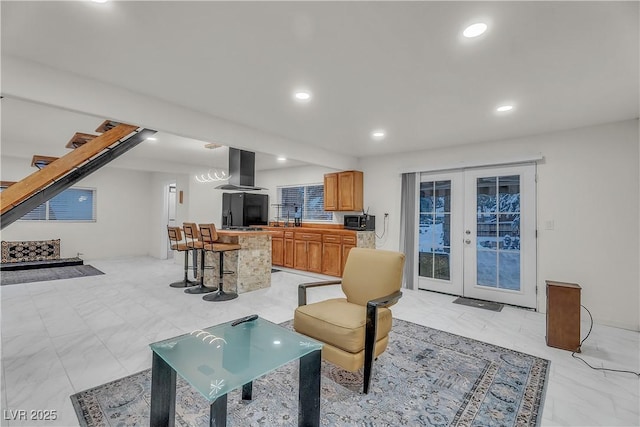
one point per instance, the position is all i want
(209, 238)
(192, 238)
(176, 244)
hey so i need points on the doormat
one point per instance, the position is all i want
(487, 305)
(425, 377)
(46, 274)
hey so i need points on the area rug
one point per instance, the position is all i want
(46, 274)
(426, 377)
(33, 250)
(487, 305)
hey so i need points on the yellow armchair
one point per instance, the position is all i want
(355, 329)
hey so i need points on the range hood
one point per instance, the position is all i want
(242, 171)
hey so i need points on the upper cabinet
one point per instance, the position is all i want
(343, 191)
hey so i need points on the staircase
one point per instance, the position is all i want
(54, 175)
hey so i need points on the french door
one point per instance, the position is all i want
(476, 234)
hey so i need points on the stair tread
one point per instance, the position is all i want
(107, 125)
(41, 161)
(79, 139)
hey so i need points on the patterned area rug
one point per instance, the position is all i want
(34, 250)
(426, 377)
(46, 274)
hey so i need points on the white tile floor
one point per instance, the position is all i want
(65, 336)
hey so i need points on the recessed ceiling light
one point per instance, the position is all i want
(302, 95)
(503, 108)
(475, 30)
(152, 139)
(99, 1)
(378, 134)
(282, 159)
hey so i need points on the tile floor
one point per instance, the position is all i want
(65, 336)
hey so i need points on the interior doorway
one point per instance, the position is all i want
(170, 214)
(476, 234)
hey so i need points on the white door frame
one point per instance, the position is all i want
(526, 296)
(463, 256)
(167, 200)
(454, 284)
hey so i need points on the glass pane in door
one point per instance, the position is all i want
(498, 232)
(435, 230)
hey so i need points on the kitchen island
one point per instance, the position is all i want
(251, 265)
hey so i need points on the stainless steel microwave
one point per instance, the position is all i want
(360, 222)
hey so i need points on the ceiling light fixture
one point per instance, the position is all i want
(503, 108)
(99, 1)
(213, 175)
(152, 139)
(302, 95)
(378, 134)
(475, 30)
(282, 159)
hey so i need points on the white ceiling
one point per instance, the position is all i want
(400, 66)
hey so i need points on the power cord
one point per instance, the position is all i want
(384, 226)
(586, 363)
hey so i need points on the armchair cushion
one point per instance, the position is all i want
(371, 273)
(339, 323)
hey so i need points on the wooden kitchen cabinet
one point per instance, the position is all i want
(277, 248)
(288, 250)
(331, 192)
(343, 191)
(332, 255)
(348, 242)
(316, 249)
(307, 251)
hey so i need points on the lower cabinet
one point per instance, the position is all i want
(277, 249)
(308, 252)
(348, 242)
(288, 251)
(317, 250)
(332, 255)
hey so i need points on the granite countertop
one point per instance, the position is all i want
(243, 232)
(303, 229)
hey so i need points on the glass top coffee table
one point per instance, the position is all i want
(222, 358)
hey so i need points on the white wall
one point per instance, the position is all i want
(204, 202)
(272, 179)
(123, 205)
(587, 184)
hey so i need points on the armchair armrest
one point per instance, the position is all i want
(302, 289)
(372, 311)
(386, 300)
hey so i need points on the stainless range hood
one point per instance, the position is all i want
(242, 171)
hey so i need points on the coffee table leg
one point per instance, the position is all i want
(218, 412)
(163, 393)
(309, 392)
(247, 391)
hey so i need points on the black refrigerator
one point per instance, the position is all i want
(244, 209)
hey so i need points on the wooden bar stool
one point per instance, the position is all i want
(209, 238)
(176, 244)
(193, 243)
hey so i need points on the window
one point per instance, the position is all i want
(73, 204)
(305, 200)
